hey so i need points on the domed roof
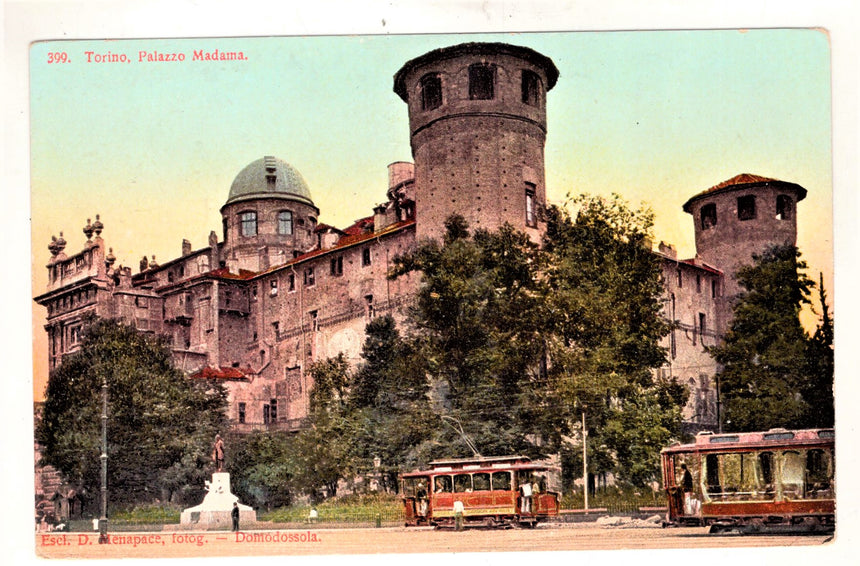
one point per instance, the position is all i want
(269, 177)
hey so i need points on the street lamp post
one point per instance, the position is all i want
(103, 536)
(584, 462)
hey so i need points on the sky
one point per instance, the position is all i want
(153, 147)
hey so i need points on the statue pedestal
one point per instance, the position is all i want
(217, 506)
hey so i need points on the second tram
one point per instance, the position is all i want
(753, 481)
(484, 491)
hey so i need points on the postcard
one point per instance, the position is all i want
(439, 293)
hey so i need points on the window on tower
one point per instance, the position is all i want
(285, 222)
(249, 223)
(784, 205)
(531, 88)
(482, 78)
(531, 216)
(708, 215)
(746, 207)
(431, 91)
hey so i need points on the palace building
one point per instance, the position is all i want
(277, 290)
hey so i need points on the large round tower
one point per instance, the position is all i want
(269, 216)
(477, 119)
(740, 217)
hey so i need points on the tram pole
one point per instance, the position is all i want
(584, 462)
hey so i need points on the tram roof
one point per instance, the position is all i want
(481, 464)
(775, 437)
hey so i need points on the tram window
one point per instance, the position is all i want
(792, 474)
(712, 474)
(765, 462)
(502, 481)
(481, 482)
(819, 473)
(442, 484)
(462, 483)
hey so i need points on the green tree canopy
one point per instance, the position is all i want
(160, 423)
(605, 319)
(765, 377)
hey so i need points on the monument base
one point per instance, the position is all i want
(217, 507)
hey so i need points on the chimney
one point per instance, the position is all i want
(186, 247)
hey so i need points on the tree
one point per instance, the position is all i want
(479, 311)
(262, 466)
(604, 315)
(520, 339)
(388, 405)
(160, 423)
(819, 390)
(321, 451)
(764, 379)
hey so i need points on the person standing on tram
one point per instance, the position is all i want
(687, 487)
(526, 492)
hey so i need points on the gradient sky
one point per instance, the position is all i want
(653, 116)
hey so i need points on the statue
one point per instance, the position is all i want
(218, 453)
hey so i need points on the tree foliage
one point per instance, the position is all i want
(768, 361)
(160, 424)
(480, 311)
(520, 339)
(604, 316)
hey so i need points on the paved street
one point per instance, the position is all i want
(396, 540)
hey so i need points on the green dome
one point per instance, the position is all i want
(269, 177)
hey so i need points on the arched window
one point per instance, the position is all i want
(431, 91)
(482, 79)
(248, 222)
(285, 222)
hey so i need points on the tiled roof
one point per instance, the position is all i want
(742, 179)
(745, 180)
(220, 373)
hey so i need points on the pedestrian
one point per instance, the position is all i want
(687, 486)
(526, 492)
(235, 515)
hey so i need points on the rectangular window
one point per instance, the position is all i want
(783, 207)
(365, 257)
(531, 216)
(248, 221)
(702, 324)
(746, 207)
(273, 410)
(680, 279)
(531, 88)
(314, 320)
(285, 223)
(276, 326)
(431, 91)
(368, 302)
(708, 216)
(309, 277)
(337, 266)
(273, 287)
(482, 78)
(698, 283)
(267, 414)
(713, 288)
(241, 412)
(291, 281)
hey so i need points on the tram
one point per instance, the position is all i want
(486, 491)
(778, 480)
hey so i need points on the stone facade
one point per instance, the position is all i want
(279, 290)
